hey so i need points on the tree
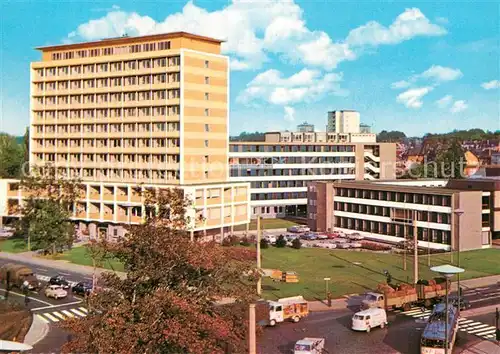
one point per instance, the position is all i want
(281, 242)
(11, 157)
(264, 243)
(451, 161)
(390, 136)
(167, 302)
(296, 243)
(99, 251)
(246, 136)
(26, 145)
(46, 210)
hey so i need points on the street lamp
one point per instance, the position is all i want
(458, 213)
(326, 291)
(447, 271)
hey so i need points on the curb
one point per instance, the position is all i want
(37, 331)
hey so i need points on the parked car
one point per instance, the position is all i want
(82, 288)
(343, 245)
(355, 245)
(59, 280)
(355, 236)
(291, 237)
(270, 238)
(322, 236)
(327, 245)
(340, 240)
(294, 228)
(303, 228)
(464, 303)
(55, 291)
(309, 236)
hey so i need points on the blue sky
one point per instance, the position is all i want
(413, 66)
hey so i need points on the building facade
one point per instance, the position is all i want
(319, 137)
(129, 112)
(390, 211)
(305, 128)
(279, 173)
(343, 122)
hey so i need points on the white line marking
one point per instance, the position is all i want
(407, 313)
(485, 333)
(464, 320)
(56, 306)
(78, 312)
(42, 318)
(64, 273)
(29, 297)
(59, 315)
(422, 315)
(52, 318)
(479, 330)
(473, 328)
(83, 309)
(42, 269)
(67, 313)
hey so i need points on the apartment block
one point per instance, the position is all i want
(391, 210)
(149, 111)
(280, 172)
(343, 122)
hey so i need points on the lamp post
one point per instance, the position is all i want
(326, 287)
(458, 213)
(447, 271)
(259, 280)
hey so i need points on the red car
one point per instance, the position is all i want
(332, 235)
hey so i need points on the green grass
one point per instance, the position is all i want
(313, 264)
(13, 245)
(79, 255)
(267, 224)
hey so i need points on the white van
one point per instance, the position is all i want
(367, 319)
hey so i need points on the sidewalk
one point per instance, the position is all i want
(30, 258)
(483, 347)
(37, 331)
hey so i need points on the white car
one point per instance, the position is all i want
(330, 246)
(355, 245)
(309, 346)
(355, 236)
(270, 238)
(343, 245)
(321, 236)
(303, 228)
(55, 291)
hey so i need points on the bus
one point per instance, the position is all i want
(433, 336)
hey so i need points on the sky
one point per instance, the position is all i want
(418, 67)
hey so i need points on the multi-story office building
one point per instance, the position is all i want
(319, 137)
(343, 122)
(391, 210)
(305, 127)
(129, 113)
(279, 172)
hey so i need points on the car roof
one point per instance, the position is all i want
(369, 311)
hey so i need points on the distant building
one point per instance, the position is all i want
(365, 128)
(343, 122)
(305, 128)
(319, 137)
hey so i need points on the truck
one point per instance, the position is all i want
(424, 293)
(291, 308)
(17, 275)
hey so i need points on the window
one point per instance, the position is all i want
(206, 143)
(207, 96)
(206, 64)
(206, 112)
(207, 128)
(207, 80)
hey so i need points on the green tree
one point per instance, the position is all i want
(26, 145)
(11, 157)
(281, 242)
(390, 136)
(46, 210)
(451, 161)
(168, 301)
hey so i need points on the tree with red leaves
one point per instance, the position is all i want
(170, 300)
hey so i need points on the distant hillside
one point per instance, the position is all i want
(247, 136)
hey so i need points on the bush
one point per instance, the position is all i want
(245, 241)
(375, 246)
(264, 243)
(231, 241)
(296, 243)
(281, 242)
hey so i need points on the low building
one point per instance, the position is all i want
(279, 172)
(390, 210)
(305, 128)
(319, 137)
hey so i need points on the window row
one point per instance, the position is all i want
(117, 82)
(104, 143)
(119, 50)
(278, 184)
(159, 111)
(402, 197)
(237, 171)
(252, 161)
(290, 148)
(279, 196)
(109, 97)
(118, 174)
(108, 158)
(104, 128)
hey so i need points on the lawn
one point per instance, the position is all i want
(267, 224)
(79, 255)
(13, 245)
(357, 272)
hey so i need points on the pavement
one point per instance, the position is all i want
(484, 347)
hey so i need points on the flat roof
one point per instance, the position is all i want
(397, 187)
(301, 143)
(124, 40)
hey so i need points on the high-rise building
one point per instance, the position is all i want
(305, 128)
(130, 113)
(344, 121)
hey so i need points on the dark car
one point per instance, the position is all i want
(82, 288)
(59, 280)
(464, 304)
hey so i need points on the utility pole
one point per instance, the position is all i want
(458, 213)
(252, 345)
(415, 248)
(259, 280)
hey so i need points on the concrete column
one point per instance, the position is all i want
(221, 234)
(252, 344)
(191, 235)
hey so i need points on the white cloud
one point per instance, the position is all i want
(255, 29)
(304, 86)
(413, 98)
(441, 73)
(289, 114)
(444, 101)
(407, 25)
(458, 106)
(490, 85)
(400, 84)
